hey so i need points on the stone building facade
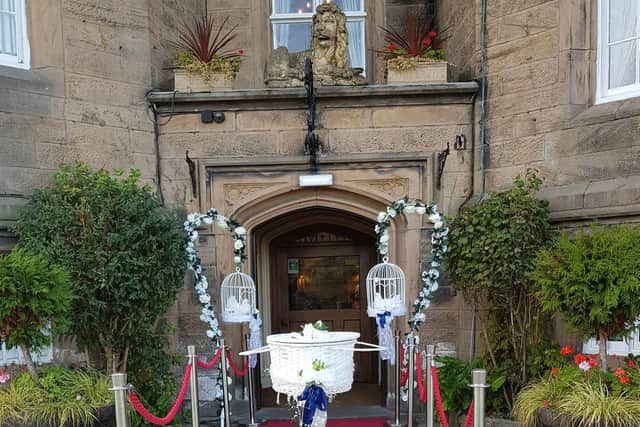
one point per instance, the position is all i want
(98, 89)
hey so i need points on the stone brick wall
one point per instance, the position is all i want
(541, 75)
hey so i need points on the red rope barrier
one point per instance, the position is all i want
(135, 402)
(422, 390)
(210, 364)
(469, 420)
(436, 393)
(404, 371)
(235, 368)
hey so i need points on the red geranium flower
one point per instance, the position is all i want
(439, 46)
(593, 363)
(567, 350)
(624, 379)
(427, 42)
(579, 358)
(631, 363)
(392, 47)
(545, 403)
(432, 34)
(554, 371)
(619, 372)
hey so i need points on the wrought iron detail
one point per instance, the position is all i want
(312, 144)
(442, 160)
(192, 174)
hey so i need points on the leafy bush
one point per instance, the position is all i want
(62, 397)
(491, 248)
(454, 377)
(594, 281)
(35, 298)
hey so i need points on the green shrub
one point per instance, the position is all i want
(594, 281)
(61, 397)
(34, 302)
(125, 255)
(491, 248)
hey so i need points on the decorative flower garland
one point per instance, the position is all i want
(201, 284)
(429, 277)
(438, 249)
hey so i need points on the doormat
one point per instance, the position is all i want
(370, 422)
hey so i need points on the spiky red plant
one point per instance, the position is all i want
(205, 41)
(416, 35)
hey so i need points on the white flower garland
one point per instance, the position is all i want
(429, 277)
(201, 285)
(438, 249)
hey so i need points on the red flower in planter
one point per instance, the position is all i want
(624, 379)
(427, 42)
(432, 34)
(554, 371)
(392, 47)
(567, 350)
(631, 363)
(545, 403)
(619, 372)
(439, 46)
(579, 358)
(593, 362)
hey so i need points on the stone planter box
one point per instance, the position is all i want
(105, 417)
(549, 418)
(424, 72)
(185, 81)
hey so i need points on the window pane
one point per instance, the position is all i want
(622, 64)
(622, 19)
(8, 5)
(296, 37)
(292, 6)
(8, 44)
(324, 283)
(356, 48)
(349, 5)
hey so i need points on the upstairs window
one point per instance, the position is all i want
(14, 48)
(618, 50)
(291, 25)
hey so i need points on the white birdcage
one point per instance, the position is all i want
(386, 290)
(237, 298)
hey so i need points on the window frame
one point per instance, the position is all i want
(23, 52)
(294, 18)
(603, 93)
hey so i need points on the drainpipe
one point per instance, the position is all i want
(483, 99)
(472, 167)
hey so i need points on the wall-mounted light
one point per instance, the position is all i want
(316, 180)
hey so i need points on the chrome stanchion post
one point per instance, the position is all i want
(225, 385)
(479, 379)
(431, 349)
(250, 385)
(398, 388)
(120, 389)
(193, 387)
(412, 359)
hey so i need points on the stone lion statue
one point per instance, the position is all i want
(329, 53)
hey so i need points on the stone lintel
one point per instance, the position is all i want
(327, 96)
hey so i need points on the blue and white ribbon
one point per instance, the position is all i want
(315, 398)
(385, 337)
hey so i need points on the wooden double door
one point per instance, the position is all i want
(319, 273)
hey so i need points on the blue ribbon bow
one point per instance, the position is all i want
(315, 398)
(382, 318)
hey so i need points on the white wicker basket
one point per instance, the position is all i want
(292, 357)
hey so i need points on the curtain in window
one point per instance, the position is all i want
(356, 34)
(348, 5)
(8, 43)
(622, 54)
(281, 31)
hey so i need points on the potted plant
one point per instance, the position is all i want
(204, 62)
(577, 393)
(414, 53)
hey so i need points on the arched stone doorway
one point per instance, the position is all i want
(311, 265)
